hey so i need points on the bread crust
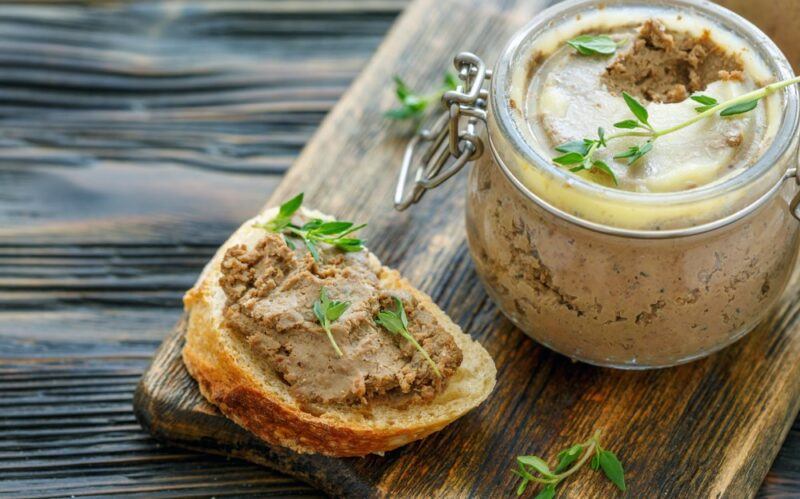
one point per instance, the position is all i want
(226, 382)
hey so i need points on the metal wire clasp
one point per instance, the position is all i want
(795, 203)
(453, 139)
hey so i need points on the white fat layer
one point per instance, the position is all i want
(569, 102)
(573, 103)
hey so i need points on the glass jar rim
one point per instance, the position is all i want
(778, 148)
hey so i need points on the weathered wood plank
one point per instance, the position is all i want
(134, 138)
(91, 443)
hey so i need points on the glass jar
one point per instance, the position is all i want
(609, 277)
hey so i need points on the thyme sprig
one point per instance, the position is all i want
(333, 233)
(396, 321)
(580, 153)
(328, 311)
(314, 232)
(640, 126)
(570, 460)
(413, 104)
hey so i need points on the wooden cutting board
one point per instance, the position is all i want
(711, 428)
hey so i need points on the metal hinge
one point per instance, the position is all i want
(453, 140)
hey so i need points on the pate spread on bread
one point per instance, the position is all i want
(258, 349)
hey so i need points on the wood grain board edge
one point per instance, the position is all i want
(752, 454)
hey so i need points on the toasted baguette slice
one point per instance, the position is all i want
(247, 391)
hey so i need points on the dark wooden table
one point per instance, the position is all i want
(134, 138)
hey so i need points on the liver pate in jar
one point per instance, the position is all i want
(667, 243)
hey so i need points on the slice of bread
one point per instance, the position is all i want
(248, 391)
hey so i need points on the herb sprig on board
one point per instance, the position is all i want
(412, 104)
(396, 321)
(316, 231)
(582, 152)
(328, 311)
(570, 460)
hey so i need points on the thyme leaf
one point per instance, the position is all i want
(570, 158)
(601, 136)
(603, 167)
(568, 456)
(629, 124)
(637, 109)
(327, 311)
(578, 146)
(593, 44)
(612, 468)
(706, 100)
(549, 492)
(740, 108)
(284, 217)
(396, 321)
(536, 463)
(634, 153)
